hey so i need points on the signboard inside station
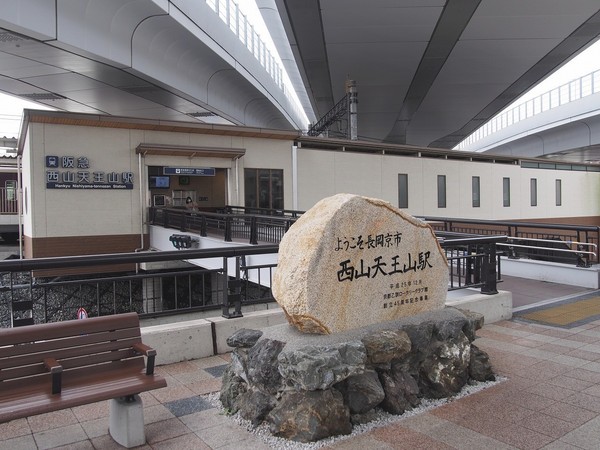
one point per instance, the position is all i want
(190, 171)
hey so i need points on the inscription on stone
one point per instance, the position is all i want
(352, 261)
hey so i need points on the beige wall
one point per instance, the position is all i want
(268, 154)
(70, 213)
(325, 173)
(78, 212)
(260, 154)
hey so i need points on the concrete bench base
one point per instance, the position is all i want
(127, 421)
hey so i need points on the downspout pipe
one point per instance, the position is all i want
(142, 208)
(295, 177)
(20, 203)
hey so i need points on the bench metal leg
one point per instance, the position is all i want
(127, 421)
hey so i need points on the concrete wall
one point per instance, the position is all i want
(588, 277)
(324, 173)
(72, 213)
(80, 212)
(202, 337)
(199, 338)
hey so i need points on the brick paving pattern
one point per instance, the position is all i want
(550, 399)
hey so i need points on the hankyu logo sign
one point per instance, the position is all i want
(75, 172)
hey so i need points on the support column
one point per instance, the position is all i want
(126, 421)
(218, 283)
(152, 294)
(352, 109)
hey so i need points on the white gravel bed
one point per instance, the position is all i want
(382, 418)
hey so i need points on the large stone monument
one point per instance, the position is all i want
(352, 261)
(363, 286)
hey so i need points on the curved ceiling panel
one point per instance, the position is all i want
(103, 28)
(164, 51)
(229, 91)
(167, 52)
(428, 71)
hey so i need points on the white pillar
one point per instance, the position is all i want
(152, 294)
(126, 421)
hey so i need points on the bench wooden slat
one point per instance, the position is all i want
(69, 363)
(22, 401)
(74, 341)
(70, 352)
(57, 330)
(40, 381)
(99, 358)
(20, 372)
(91, 360)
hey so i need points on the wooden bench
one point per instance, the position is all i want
(60, 365)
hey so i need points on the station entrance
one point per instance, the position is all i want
(193, 188)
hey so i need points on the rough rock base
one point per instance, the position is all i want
(310, 387)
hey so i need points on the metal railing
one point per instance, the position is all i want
(254, 228)
(569, 244)
(36, 291)
(291, 213)
(8, 201)
(576, 89)
(229, 12)
(473, 262)
(237, 22)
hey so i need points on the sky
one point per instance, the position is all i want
(11, 111)
(11, 108)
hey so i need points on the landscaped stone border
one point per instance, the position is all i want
(309, 387)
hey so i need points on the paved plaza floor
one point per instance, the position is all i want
(549, 399)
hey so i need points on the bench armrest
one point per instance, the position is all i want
(149, 352)
(56, 372)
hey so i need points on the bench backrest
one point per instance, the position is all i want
(74, 344)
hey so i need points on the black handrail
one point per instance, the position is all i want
(580, 235)
(26, 265)
(511, 224)
(272, 224)
(253, 227)
(473, 263)
(263, 211)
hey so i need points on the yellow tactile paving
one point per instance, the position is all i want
(567, 313)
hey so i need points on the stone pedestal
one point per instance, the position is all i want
(127, 421)
(307, 387)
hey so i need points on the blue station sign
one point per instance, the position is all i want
(190, 171)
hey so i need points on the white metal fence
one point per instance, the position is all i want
(8, 201)
(229, 12)
(574, 90)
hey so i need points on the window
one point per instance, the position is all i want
(156, 179)
(506, 191)
(263, 188)
(11, 190)
(558, 192)
(533, 191)
(402, 190)
(441, 184)
(476, 192)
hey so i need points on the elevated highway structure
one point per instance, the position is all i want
(428, 72)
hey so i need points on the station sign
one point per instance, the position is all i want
(190, 171)
(75, 172)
